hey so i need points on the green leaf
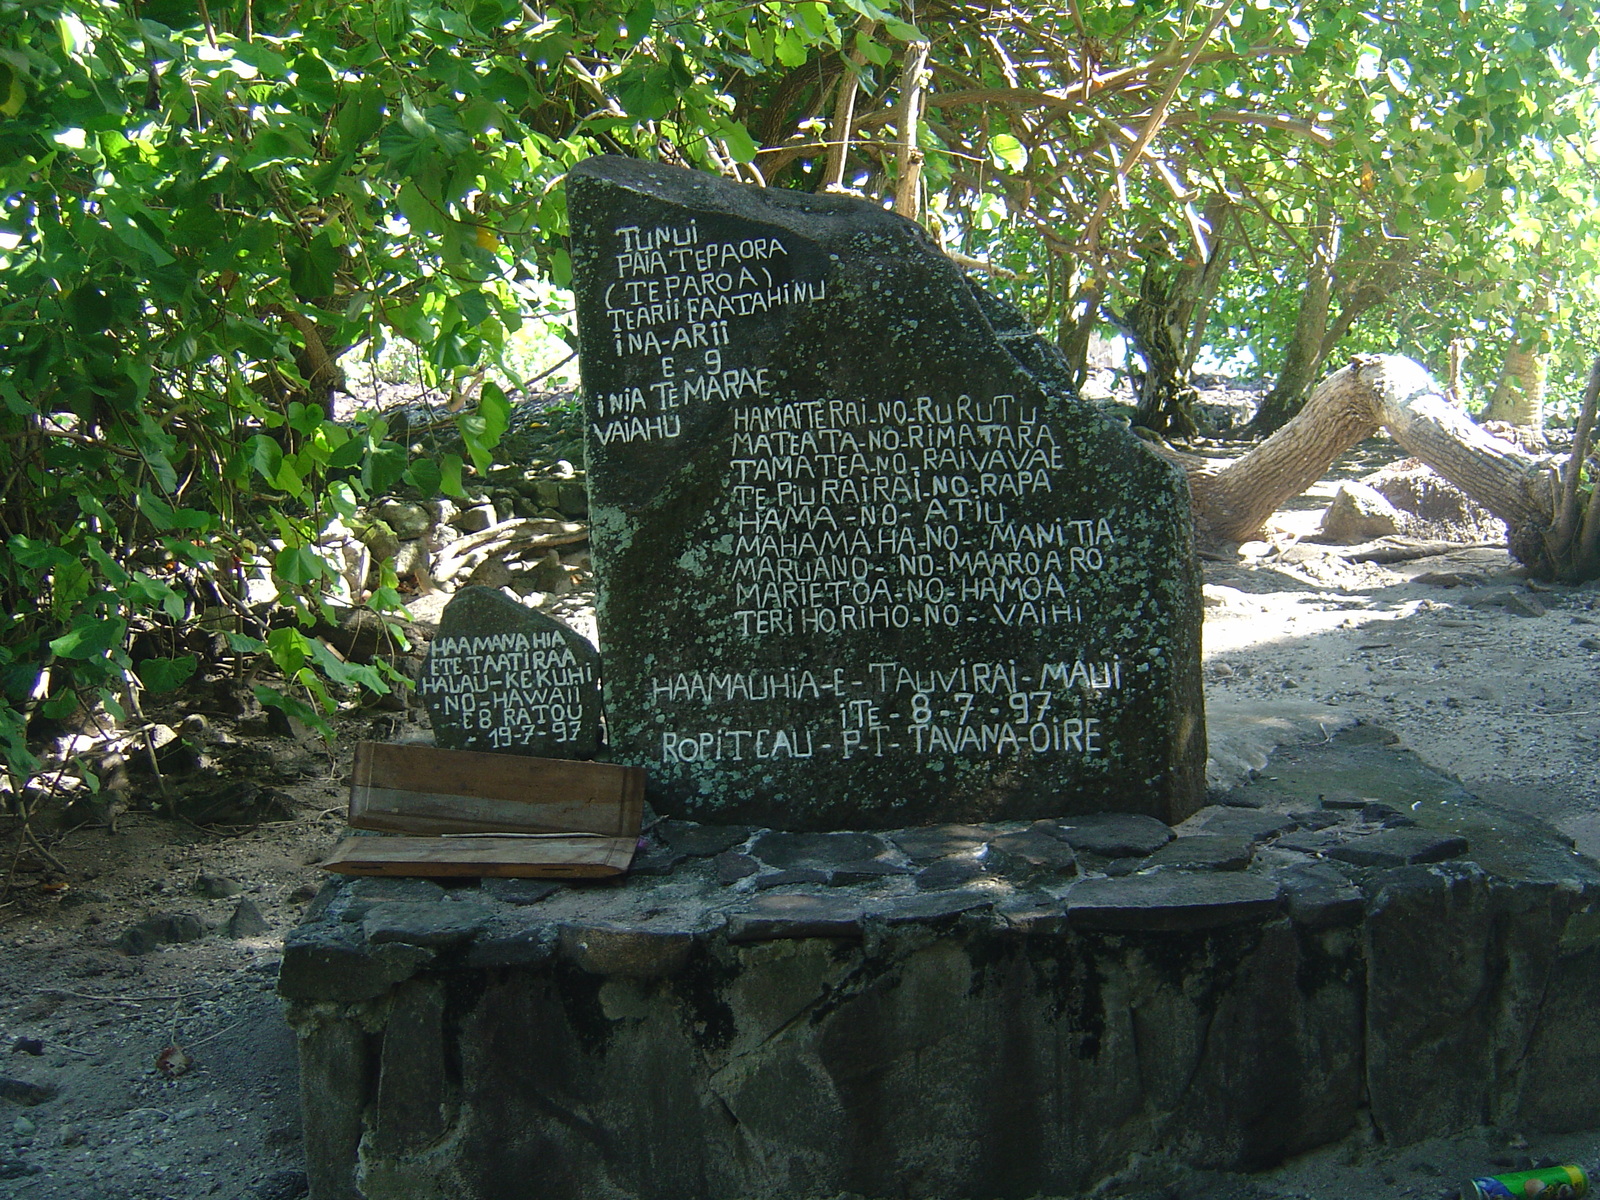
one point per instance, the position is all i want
(314, 81)
(298, 709)
(639, 20)
(740, 144)
(473, 306)
(166, 674)
(411, 143)
(12, 93)
(385, 464)
(790, 48)
(1008, 152)
(70, 583)
(90, 637)
(59, 705)
(299, 565)
(340, 671)
(265, 455)
(425, 475)
(450, 475)
(313, 268)
(360, 117)
(163, 516)
(305, 419)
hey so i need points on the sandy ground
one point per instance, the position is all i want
(1297, 637)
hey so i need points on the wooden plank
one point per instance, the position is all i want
(426, 790)
(503, 857)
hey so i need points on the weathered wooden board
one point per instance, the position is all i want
(425, 790)
(496, 857)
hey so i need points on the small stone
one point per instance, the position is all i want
(475, 519)
(1589, 643)
(23, 1127)
(408, 520)
(657, 860)
(160, 929)
(1345, 803)
(25, 1093)
(1523, 605)
(518, 891)
(1400, 848)
(819, 851)
(1203, 852)
(247, 921)
(28, 1045)
(635, 951)
(770, 918)
(1377, 812)
(1359, 513)
(426, 924)
(1170, 900)
(549, 576)
(1115, 835)
(732, 866)
(940, 841)
(16, 1168)
(949, 873)
(217, 887)
(701, 841)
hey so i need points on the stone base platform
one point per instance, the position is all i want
(989, 1011)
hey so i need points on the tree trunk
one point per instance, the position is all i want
(1157, 323)
(1355, 272)
(1303, 358)
(1232, 500)
(1080, 317)
(1518, 397)
(908, 179)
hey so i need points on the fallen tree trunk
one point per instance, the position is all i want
(1233, 499)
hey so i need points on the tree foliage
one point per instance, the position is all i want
(205, 203)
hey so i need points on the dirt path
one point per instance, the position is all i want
(1483, 676)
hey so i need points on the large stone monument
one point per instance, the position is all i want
(863, 561)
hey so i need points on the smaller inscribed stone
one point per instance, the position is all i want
(502, 677)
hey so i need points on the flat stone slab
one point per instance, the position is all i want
(1170, 900)
(1204, 852)
(795, 916)
(1116, 835)
(938, 841)
(819, 851)
(1401, 847)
